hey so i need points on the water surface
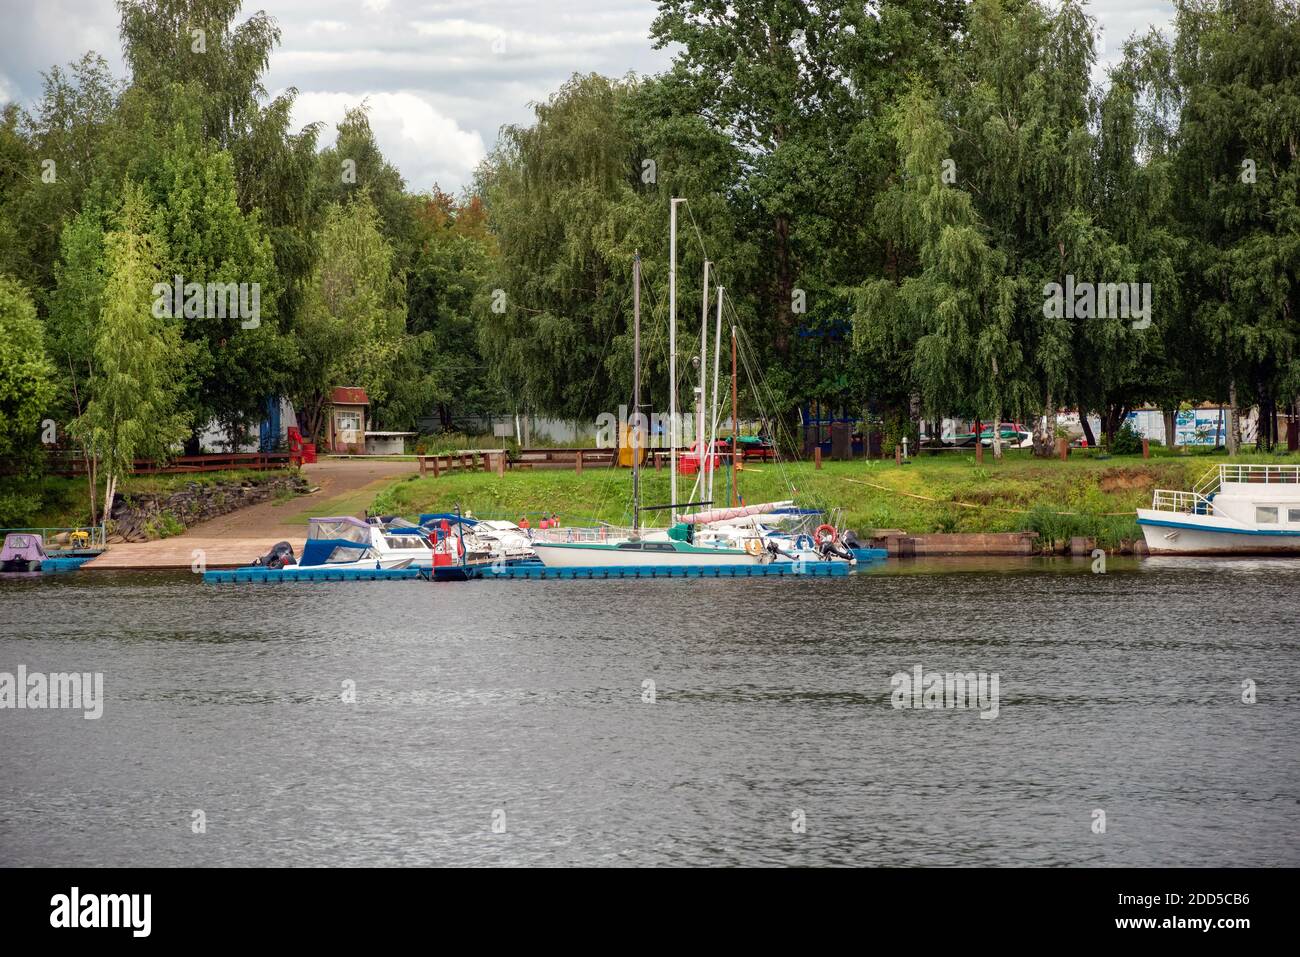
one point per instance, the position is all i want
(524, 703)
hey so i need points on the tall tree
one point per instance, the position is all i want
(351, 327)
(132, 412)
(27, 389)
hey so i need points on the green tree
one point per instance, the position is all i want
(234, 361)
(132, 411)
(351, 327)
(27, 389)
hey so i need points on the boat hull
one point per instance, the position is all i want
(583, 555)
(1211, 535)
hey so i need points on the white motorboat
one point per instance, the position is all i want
(345, 542)
(1235, 510)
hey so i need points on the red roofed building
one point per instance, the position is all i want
(347, 420)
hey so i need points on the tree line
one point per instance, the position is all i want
(918, 208)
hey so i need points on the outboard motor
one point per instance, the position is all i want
(280, 555)
(831, 549)
(850, 540)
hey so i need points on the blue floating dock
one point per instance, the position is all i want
(311, 574)
(869, 554)
(64, 563)
(774, 570)
(536, 570)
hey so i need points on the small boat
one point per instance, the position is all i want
(345, 542)
(1235, 510)
(22, 552)
(499, 541)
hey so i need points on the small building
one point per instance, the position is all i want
(387, 443)
(349, 408)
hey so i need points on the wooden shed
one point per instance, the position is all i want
(350, 407)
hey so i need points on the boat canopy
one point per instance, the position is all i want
(23, 546)
(433, 518)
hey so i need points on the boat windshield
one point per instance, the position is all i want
(344, 529)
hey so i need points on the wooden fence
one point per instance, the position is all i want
(72, 465)
(496, 460)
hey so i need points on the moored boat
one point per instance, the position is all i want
(1235, 510)
(642, 552)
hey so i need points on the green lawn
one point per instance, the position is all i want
(1018, 493)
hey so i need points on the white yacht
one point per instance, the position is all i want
(1235, 510)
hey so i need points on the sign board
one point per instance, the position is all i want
(503, 430)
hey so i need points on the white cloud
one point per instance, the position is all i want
(425, 144)
(447, 74)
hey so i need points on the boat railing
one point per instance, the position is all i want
(1191, 503)
(1251, 474)
(575, 534)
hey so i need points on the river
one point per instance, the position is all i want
(668, 722)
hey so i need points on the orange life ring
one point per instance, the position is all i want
(754, 547)
(830, 532)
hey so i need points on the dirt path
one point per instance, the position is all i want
(346, 487)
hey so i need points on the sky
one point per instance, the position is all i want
(440, 78)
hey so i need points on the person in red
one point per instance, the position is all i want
(523, 522)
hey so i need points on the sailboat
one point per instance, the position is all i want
(678, 545)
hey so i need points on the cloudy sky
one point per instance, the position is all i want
(440, 77)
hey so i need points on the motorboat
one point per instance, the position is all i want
(346, 542)
(1234, 510)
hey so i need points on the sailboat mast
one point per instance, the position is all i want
(713, 406)
(735, 431)
(636, 392)
(701, 393)
(672, 356)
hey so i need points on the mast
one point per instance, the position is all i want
(713, 406)
(701, 392)
(636, 392)
(735, 431)
(672, 357)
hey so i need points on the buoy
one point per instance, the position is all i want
(829, 531)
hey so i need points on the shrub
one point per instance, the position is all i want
(1127, 441)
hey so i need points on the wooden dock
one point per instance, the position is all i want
(189, 552)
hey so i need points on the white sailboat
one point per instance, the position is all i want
(663, 548)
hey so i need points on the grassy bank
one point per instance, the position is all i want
(932, 494)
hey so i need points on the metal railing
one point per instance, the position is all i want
(563, 535)
(1191, 503)
(94, 535)
(1262, 474)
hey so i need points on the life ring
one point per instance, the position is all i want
(803, 541)
(829, 531)
(754, 546)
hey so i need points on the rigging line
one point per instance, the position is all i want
(657, 306)
(606, 485)
(765, 398)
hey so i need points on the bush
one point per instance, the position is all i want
(1128, 441)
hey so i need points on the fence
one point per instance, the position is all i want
(69, 464)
